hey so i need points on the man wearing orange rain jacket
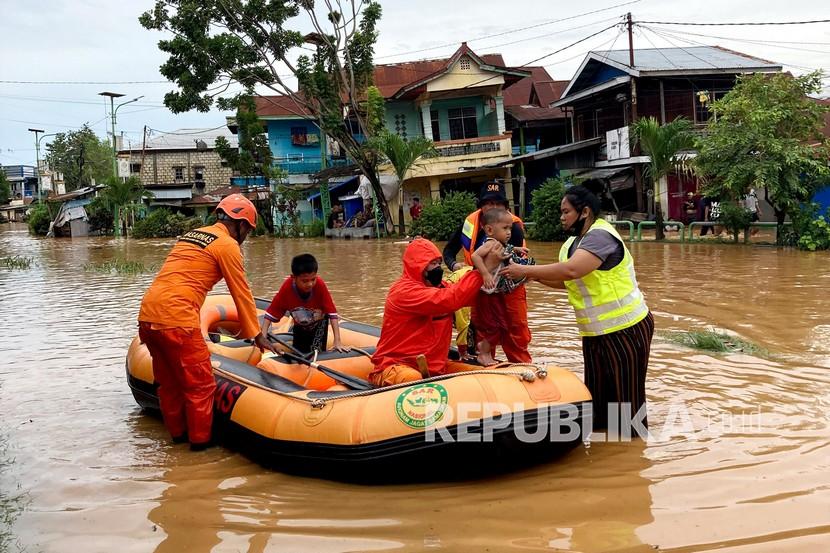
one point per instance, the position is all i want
(169, 318)
(417, 318)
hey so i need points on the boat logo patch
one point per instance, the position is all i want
(198, 237)
(421, 405)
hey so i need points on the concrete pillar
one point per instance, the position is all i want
(500, 114)
(434, 184)
(426, 119)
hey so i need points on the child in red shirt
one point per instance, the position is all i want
(306, 299)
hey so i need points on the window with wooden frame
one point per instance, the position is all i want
(463, 123)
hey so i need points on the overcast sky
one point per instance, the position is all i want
(101, 41)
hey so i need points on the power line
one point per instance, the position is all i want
(735, 24)
(82, 82)
(569, 45)
(68, 100)
(665, 35)
(407, 66)
(773, 44)
(541, 57)
(511, 31)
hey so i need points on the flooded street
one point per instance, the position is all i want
(741, 465)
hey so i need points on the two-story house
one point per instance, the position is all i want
(178, 165)
(608, 92)
(457, 102)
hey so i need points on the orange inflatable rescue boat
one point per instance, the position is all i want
(286, 413)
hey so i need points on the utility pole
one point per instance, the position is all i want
(638, 174)
(37, 168)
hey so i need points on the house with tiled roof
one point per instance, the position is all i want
(608, 92)
(458, 102)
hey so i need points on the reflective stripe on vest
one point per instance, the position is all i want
(605, 301)
(469, 234)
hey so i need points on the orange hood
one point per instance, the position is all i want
(419, 253)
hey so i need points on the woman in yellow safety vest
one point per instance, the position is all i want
(616, 326)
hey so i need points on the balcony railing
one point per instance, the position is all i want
(294, 165)
(529, 149)
(473, 146)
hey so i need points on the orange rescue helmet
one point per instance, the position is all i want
(237, 206)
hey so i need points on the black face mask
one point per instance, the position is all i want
(576, 228)
(435, 276)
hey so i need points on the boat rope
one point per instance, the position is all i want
(524, 371)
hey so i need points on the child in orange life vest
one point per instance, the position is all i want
(306, 299)
(489, 314)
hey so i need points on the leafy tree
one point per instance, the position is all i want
(545, 204)
(663, 143)
(402, 154)
(256, 43)
(119, 194)
(5, 188)
(766, 132)
(81, 156)
(253, 157)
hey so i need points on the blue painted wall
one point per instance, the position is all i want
(293, 157)
(822, 198)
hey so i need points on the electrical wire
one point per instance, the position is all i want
(772, 44)
(82, 82)
(666, 36)
(511, 31)
(734, 24)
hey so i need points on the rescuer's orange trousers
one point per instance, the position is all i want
(181, 366)
(516, 340)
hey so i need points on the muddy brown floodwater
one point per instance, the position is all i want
(741, 463)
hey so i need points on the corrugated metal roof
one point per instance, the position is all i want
(692, 58)
(279, 106)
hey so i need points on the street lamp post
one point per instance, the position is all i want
(112, 97)
(113, 111)
(37, 168)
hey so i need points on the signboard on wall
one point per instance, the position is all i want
(617, 144)
(123, 168)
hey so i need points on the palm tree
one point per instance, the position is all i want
(663, 143)
(403, 154)
(119, 194)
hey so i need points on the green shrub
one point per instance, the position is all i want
(443, 217)
(734, 218)
(100, 216)
(316, 228)
(160, 223)
(811, 231)
(39, 219)
(545, 210)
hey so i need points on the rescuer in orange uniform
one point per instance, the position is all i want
(417, 318)
(169, 317)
